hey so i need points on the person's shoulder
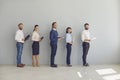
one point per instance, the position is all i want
(83, 31)
(17, 31)
(67, 34)
(52, 30)
(34, 32)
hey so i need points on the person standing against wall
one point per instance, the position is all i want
(35, 46)
(69, 42)
(19, 37)
(86, 43)
(53, 43)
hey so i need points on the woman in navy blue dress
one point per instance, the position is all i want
(35, 46)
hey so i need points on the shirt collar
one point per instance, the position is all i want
(54, 29)
(69, 33)
(20, 30)
(86, 30)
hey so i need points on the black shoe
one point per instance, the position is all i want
(69, 65)
(86, 64)
(54, 65)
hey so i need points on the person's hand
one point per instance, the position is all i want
(87, 40)
(23, 39)
(40, 40)
(59, 38)
(72, 42)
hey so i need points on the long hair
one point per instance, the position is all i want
(35, 27)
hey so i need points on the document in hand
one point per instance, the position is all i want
(27, 37)
(60, 37)
(93, 38)
(42, 38)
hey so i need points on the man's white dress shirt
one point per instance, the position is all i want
(19, 36)
(85, 35)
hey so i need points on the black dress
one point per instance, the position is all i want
(35, 48)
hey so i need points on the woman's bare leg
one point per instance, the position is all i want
(33, 63)
(37, 60)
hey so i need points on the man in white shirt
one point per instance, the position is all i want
(86, 43)
(19, 37)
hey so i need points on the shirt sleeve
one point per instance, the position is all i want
(17, 36)
(68, 38)
(52, 38)
(33, 36)
(82, 36)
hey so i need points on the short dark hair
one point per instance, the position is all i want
(20, 24)
(85, 24)
(67, 29)
(53, 24)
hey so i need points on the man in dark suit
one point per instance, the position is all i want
(53, 43)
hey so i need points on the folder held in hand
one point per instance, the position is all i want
(42, 38)
(27, 37)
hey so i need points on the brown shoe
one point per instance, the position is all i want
(20, 65)
(33, 64)
(23, 65)
(37, 65)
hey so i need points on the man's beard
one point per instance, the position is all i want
(86, 28)
(20, 28)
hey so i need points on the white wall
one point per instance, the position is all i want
(103, 16)
(119, 22)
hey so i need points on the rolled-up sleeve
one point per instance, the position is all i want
(82, 36)
(17, 36)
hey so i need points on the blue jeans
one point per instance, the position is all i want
(19, 46)
(53, 53)
(69, 48)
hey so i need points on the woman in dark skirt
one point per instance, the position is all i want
(35, 46)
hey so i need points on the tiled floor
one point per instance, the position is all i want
(98, 72)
